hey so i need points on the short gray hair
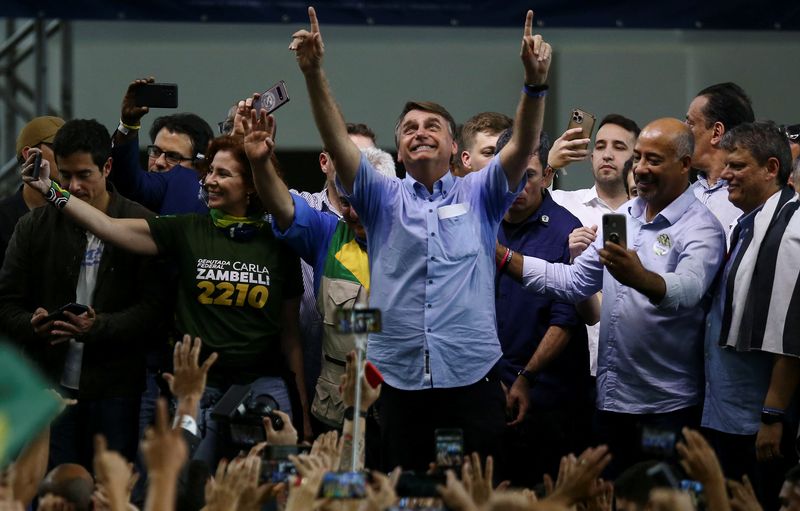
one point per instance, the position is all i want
(381, 160)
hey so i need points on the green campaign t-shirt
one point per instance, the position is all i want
(230, 293)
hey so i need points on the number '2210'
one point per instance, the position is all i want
(255, 296)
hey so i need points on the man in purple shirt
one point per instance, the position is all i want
(431, 240)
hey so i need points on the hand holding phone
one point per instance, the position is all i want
(74, 308)
(272, 98)
(582, 119)
(156, 95)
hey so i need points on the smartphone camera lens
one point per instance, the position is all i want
(614, 237)
(577, 117)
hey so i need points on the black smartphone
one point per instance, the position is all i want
(358, 321)
(275, 464)
(37, 165)
(582, 119)
(157, 95)
(412, 484)
(449, 447)
(615, 229)
(75, 308)
(343, 485)
(272, 98)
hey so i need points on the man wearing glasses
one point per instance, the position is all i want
(171, 184)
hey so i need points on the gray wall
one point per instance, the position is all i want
(373, 70)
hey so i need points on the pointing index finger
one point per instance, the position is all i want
(529, 24)
(312, 17)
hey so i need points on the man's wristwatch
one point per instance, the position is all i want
(770, 416)
(350, 412)
(528, 375)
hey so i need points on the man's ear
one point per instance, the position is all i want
(25, 152)
(107, 166)
(466, 159)
(773, 166)
(717, 131)
(324, 160)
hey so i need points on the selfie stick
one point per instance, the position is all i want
(361, 348)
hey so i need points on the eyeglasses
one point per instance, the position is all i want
(170, 157)
(225, 127)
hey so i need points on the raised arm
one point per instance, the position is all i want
(309, 49)
(259, 143)
(536, 58)
(132, 234)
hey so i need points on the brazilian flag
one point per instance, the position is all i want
(26, 406)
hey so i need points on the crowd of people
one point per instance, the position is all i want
(633, 345)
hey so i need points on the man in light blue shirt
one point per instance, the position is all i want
(716, 110)
(431, 244)
(752, 351)
(650, 367)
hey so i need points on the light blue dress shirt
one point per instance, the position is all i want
(650, 355)
(736, 381)
(432, 272)
(716, 199)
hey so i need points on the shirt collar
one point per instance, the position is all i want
(703, 180)
(672, 213)
(442, 186)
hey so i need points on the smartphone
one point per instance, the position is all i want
(37, 165)
(615, 229)
(272, 98)
(343, 485)
(582, 119)
(157, 95)
(412, 484)
(358, 321)
(75, 308)
(275, 464)
(449, 447)
(658, 442)
(374, 377)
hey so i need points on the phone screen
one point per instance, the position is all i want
(449, 447)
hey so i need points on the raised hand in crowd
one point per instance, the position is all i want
(580, 239)
(259, 137)
(569, 147)
(114, 475)
(307, 45)
(52, 502)
(130, 114)
(477, 481)
(455, 494)
(535, 54)
(380, 493)
(235, 486)
(164, 451)
(303, 494)
(188, 381)
(329, 447)
(578, 477)
(701, 463)
(743, 496)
